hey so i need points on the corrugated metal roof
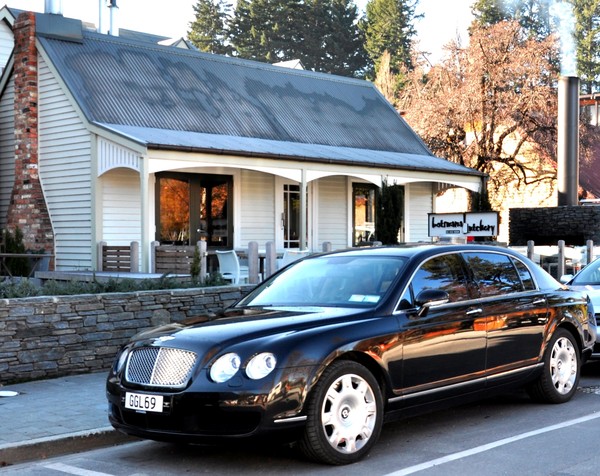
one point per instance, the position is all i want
(184, 98)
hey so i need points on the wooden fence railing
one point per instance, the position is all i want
(118, 258)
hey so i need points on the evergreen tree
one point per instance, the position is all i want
(333, 42)
(390, 204)
(587, 38)
(267, 30)
(323, 34)
(490, 12)
(532, 15)
(208, 32)
(388, 26)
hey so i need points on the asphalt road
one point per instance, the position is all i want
(507, 435)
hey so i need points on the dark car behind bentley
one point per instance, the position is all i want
(323, 350)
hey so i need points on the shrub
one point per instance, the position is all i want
(23, 287)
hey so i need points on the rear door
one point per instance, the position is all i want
(513, 310)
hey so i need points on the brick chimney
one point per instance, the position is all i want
(27, 209)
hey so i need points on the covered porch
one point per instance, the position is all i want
(228, 201)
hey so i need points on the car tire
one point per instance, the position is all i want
(345, 414)
(562, 368)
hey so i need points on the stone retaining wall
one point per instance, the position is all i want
(46, 337)
(545, 226)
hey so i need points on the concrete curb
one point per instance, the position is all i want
(49, 447)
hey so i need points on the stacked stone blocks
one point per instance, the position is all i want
(45, 337)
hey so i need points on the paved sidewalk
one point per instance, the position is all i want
(57, 416)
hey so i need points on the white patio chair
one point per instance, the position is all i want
(291, 255)
(230, 268)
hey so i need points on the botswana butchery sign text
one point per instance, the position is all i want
(463, 224)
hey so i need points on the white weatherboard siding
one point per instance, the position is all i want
(257, 208)
(7, 43)
(332, 210)
(65, 173)
(419, 202)
(121, 204)
(7, 150)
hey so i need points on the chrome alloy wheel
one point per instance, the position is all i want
(349, 413)
(563, 365)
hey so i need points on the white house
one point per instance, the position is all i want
(121, 139)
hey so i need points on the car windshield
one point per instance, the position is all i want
(588, 275)
(333, 280)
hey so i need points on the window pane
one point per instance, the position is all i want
(495, 274)
(291, 216)
(214, 226)
(363, 213)
(194, 207)
(525, 275)
(442, 272)
(174, 211)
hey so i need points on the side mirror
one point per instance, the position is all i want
(430, 297)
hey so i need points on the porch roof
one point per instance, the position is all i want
(232, 145)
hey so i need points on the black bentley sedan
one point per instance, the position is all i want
(331, 346)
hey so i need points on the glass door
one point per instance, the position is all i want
(194, 207)
(174, 211)
(363, 213)
(291, 216)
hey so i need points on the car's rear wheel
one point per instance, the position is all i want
(345, 414)
(562, 368)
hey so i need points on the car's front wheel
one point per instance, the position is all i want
(344, 415)
(562, 368)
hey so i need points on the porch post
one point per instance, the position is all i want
(303, 212)
(144, 219)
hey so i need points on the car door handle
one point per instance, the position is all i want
(477, 310)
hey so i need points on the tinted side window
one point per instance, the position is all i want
(494, 273)
(442, 272)
(525, 274)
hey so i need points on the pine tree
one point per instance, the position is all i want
(490, 12)
(333, 42)
(323, 34)
(388, 26)
(390, 203)
(532, 15)
(208, 32)
(587, 37)
(267, 30)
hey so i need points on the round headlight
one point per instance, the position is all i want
(225, 367)
(260, 365)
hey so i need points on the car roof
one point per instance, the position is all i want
(423, 250)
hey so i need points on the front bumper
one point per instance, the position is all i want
(209, 417)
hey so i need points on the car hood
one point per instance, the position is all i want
(247, 325)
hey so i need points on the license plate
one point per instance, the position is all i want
(143, 402)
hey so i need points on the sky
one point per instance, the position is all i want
(443, 19)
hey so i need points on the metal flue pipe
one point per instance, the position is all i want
(53, 6)
(568, 141)
(114, 18)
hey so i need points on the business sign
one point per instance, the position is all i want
(463, 224)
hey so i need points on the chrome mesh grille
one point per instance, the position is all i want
(160, 366)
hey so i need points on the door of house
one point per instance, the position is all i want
(194, 207)
(289, 213)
